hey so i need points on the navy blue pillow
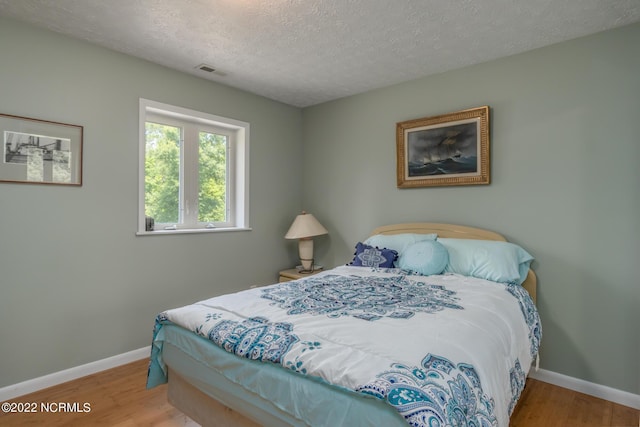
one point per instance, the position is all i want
(369, 256)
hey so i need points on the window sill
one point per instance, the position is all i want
(191, 231)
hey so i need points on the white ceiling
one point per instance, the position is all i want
(307, 52)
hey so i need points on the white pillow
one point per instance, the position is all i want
(397, 242)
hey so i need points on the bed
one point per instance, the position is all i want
(360, 345)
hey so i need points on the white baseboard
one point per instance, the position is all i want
(60, 377)
(601, 391)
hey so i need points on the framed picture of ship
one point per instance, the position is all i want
(449, 149)
(40, 151)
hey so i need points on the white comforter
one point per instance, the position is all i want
(442, 350)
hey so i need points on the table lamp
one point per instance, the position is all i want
(304, 227)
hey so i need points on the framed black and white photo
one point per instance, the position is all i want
(40, 151)
(449, 149)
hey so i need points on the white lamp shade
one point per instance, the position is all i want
(305, 225)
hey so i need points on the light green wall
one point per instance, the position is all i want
(565, 184)
(76, 284)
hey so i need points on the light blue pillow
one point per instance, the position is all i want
(398, 242)
(426, 258)
(487, 259)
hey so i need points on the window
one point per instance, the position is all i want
(193, 171)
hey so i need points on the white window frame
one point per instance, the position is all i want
(237, 133)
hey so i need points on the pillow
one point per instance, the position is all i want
(487, 259)
(398, 242)
(368, 256)
(426, 258)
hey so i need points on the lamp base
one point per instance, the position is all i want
(307, 266)
(305, 252)
(316, 268)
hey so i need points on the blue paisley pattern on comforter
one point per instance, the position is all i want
(368, 298)
(530, 314)
(428, 346)
(437, 393)
(255, 338)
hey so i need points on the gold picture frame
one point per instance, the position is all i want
(40, 151)
(449, 149)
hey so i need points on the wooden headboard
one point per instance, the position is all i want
(456, 232)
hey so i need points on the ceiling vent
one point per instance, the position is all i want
(210, 69)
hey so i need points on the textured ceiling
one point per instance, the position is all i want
(307, 52)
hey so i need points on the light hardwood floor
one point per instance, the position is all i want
(118, 397)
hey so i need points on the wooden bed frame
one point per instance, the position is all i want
(209, 412)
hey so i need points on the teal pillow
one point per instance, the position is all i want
(487, 259)
(426, 258)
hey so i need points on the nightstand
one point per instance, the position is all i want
(293, 274)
